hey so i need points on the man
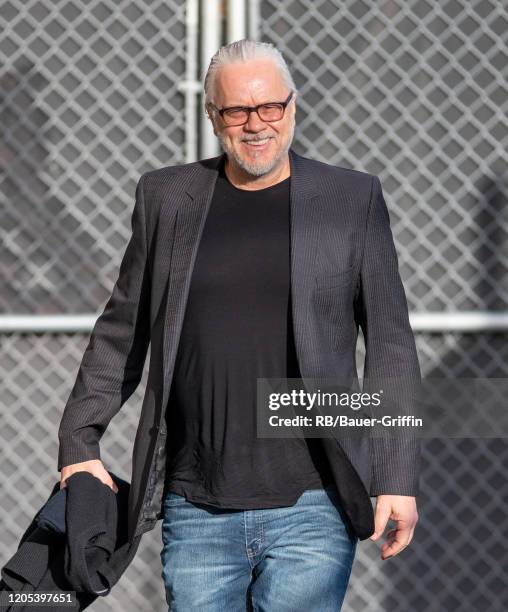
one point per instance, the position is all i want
(256, 263)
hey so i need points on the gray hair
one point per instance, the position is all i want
(242, 51)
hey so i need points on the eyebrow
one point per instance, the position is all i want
(265, 102)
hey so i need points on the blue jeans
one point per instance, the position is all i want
(296, 558)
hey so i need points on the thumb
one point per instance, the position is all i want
(112, 484)
(382, 515)
(106, 479)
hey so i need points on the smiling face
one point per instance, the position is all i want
(249, 84)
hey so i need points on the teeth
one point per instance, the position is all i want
(257, 142)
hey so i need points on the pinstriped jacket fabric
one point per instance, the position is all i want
(344, 275)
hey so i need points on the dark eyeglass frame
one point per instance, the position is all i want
(251, 109)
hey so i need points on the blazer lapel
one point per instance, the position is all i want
(305, 222)
(186, 227)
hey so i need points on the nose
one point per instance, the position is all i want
(254, 124)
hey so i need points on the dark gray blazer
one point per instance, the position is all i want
(344, 274)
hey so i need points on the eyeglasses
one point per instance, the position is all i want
(238, 115)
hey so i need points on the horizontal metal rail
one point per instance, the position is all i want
(423, 322)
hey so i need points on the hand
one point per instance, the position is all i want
(402, 510)
(94, 466)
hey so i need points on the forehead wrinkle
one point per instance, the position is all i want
(253, 85)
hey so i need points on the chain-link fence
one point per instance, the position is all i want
(414, 92)
(89, 100)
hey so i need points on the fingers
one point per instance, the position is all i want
(402, 509)
(396, 541)
(381, 517)
(97, 470)
(112, 485)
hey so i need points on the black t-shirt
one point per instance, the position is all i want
(238, 327)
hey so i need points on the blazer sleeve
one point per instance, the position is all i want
(390, 351)
(113, 361)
